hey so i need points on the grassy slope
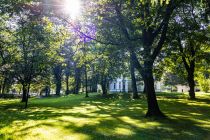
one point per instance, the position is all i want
(76, 117)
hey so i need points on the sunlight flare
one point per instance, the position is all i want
(72, 8)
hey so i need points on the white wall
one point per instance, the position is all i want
(182, 88)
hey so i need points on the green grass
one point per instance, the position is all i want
(74, 117)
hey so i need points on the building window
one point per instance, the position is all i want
(119, 85)
(114, 85)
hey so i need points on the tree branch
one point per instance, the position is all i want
(169, 11)
(182, 52)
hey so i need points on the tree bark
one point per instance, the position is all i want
(67, 84)
(47, 91)
(58, 87)
(144, 91)
(24, 96)
(104, 85)
(27, 95)
(94, 82)
(3, 86)
(133, 78)
(77, 80)
(86, 82)
(0, 88)
(58, 78)
(191, 83)
(153, 108)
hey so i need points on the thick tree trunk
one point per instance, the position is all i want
(67, 85)
(104, 85)
(144, 91)
(27, 95)
(133, 78)
(77, 80)
(25, 90)
(153, 108)
(58, 78)
(47, 91)
(94, 84)
(191, 83)
(3, 86)
(86, 82)
(58, 87)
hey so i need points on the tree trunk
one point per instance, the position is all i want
(94, 84)
(153, 108)
(104, 85)
(86, 82)
(58, 87)
(144, 91)
(3, 86)
(133, 78)
(27, 95)
(191, 83)
(0, 88)
(67, 84)
(47, 91)
(77, 80)
(58, 78)
(25, 90)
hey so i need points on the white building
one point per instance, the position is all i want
(123, 84)
(182, 88)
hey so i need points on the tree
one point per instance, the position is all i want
(143, 24)
(191, 39)
(35, 43)
(6, 54)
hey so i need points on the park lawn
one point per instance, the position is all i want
(74, 117)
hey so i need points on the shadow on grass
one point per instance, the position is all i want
(114, 117)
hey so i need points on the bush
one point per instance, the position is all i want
(205, 85)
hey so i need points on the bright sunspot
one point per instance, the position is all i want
(72, 8)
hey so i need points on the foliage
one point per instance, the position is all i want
(204, 82)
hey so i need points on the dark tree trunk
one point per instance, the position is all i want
(58, 78)
(25, 90)
(153, 108)
(3, 86)
(191, 83)
(86, 82)
(27, 95)
(67, 84)
(67, 75)
(47, 91)
(144, 91)
(77, 80)
(104, 85)
(94, 84)
(58, 88)
(133, 78)
(26, 102)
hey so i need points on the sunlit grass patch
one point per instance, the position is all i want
(99, 118)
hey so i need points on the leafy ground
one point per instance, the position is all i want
(75, 117)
